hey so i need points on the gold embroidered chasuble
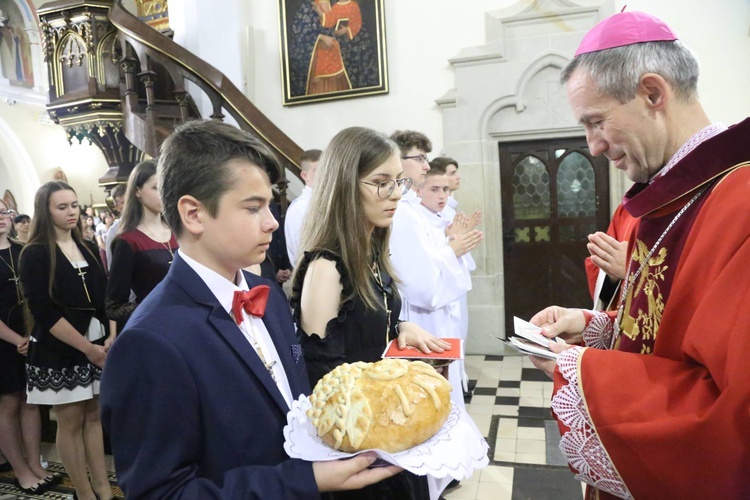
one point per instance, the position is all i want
(667, 411)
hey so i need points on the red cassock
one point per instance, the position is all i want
(662, 409)
(621, 227)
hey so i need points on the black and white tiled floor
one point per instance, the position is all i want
(510, 405)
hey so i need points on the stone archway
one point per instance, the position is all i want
(17, 171)
(508, 90)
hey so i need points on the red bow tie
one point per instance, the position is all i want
(253, 302)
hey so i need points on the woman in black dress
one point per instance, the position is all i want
(20, 426)
(63, 283)
(143, 249)
(345, 301)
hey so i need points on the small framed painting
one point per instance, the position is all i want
(332, 49)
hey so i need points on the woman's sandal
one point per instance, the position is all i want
(53, 479)
(38, 489)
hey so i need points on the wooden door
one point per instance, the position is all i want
(554, 194)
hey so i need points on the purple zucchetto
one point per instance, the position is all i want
(625, 28)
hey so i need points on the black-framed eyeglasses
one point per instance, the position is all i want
(8, 213)
(418, 158)
(386, 188)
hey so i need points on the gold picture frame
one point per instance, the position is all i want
(333, 50)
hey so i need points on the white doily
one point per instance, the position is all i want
(457, 450)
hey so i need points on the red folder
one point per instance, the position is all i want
(434, 358)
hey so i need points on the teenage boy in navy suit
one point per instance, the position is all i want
(197, 387)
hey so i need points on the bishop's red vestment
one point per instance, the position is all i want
(660, 408)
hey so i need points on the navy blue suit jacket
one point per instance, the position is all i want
(190, 408)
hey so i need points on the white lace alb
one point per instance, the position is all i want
(598, 333)
(581, 445)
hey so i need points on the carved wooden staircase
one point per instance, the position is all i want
(151, 71)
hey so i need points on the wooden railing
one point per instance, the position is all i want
(148, 59)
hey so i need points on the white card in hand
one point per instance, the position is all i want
(532, 332)
(528, 347)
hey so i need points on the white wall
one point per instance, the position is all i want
(719, 34)
(421, 37)
(31, 150)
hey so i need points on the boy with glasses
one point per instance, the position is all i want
(432, 276)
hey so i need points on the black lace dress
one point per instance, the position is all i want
(56, 372)
(356, 334)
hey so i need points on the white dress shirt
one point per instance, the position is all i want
(253, 329)
(295, 217)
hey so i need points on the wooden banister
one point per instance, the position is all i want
(148, 43)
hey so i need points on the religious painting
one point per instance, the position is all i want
(155, 13)
(332, 49)
(15, 47)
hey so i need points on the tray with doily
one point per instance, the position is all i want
(456, 450)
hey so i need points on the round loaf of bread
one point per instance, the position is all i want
(391, 405)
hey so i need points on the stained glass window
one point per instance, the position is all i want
(531, 189)
(576, 187)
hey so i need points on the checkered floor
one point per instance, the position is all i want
(510, 405)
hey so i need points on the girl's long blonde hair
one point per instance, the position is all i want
(336, 218)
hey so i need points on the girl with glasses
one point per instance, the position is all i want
(346, 303)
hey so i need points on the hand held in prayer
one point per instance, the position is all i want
(475, 219)
(465, 243)
(412, 335)
(608, 254)
(96, 354)
(108, 343)
(460, 225)
(556, 321)
(351, 474)
(23, 347)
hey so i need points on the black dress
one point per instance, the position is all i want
(12, 364)
(356, 334)
(139, 263)
(56, 372)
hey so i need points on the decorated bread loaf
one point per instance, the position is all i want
(391, 405)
